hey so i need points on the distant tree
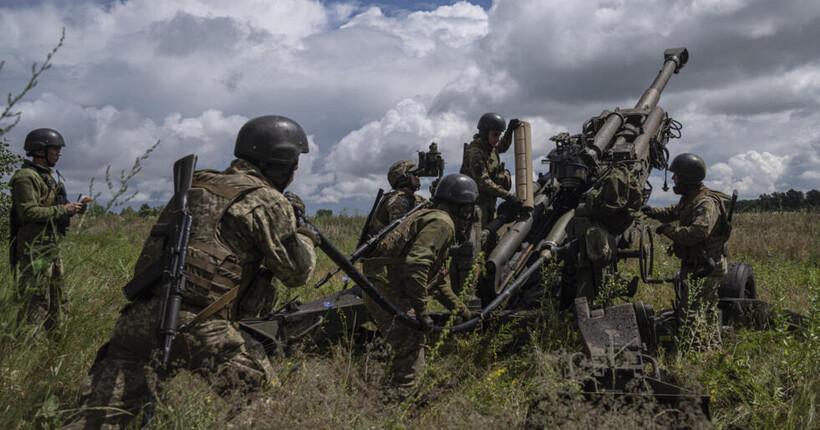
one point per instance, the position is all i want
(146, 211)
(813, 199)
(324, 213)
(793, 200)
(128, 212)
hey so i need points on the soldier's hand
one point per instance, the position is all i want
(514, 123)
(514, 200)
(296, 202)
(426, 323)
(73, 208)
(648, 211)
(663, 229)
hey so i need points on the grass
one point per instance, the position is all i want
(515, 376)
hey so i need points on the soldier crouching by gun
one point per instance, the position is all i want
(699, 240)
(243, 238)
(39, 217)
(411, 259)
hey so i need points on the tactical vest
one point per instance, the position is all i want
(393, 248)
(211, 268)
(714, 245)
(56, 196)
(381, 216)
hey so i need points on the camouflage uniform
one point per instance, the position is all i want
(37, 208)
(240, 225)
(482, 163)
(409, 266)
(393, 206)
(701, 235)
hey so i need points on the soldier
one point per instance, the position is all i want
(410, 263)
(481, 162)
(405, 183)
(700, 238)
(39, 216)
(244, 237)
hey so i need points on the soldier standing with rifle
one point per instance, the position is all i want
(39, 217)
(243, 238)
(402, 178)
(409, 265)
(700, 238)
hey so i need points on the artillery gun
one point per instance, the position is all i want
(584, 214)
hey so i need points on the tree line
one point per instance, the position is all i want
(790, 201)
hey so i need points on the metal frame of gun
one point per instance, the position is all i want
(431, 163)
(364, 249)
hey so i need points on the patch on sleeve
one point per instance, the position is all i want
(441, 238)
(700, 209)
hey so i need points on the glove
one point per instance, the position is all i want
(307, 231)
(513, 199)
(296, 202)
(648, 211)
(514, 123)
(663, 228)
(426, 323)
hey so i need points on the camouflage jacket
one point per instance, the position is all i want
(254, 229)
(411, 259)
(38, 204)
(393, 206)
(703, 226)
(481, 162)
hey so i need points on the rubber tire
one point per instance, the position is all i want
(739, 282)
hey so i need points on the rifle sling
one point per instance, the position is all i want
(216, 306)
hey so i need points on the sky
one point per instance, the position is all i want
(375, 82)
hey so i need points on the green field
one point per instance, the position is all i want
(767, 379)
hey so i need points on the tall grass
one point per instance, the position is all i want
(514, 375)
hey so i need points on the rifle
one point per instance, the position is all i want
(732, 206)
(364, 249)
(369, 220)
(173, 275)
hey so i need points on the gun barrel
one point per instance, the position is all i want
(673, 61)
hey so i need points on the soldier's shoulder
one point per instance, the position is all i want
(263, 196)
(24, 173)
(437, 217)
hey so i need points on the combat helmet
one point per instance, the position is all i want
(689, 169)
(491, 121)
(42, 138)
(271, 140)
(397, 175)
(456, 188)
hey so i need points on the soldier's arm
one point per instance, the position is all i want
(478, 169)
(705, 218)
(667, 214)
(27, 201)
(505, 142)
(271, 228)
(428, 243)
(443, 292)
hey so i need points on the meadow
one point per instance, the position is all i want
(756, 379)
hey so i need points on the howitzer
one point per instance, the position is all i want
(365, 248)
(173, 274)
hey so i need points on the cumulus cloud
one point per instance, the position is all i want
(372, 85)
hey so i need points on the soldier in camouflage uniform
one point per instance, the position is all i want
(398, 202)
(244, 237)
(39, 216)
(482, 163)
(410, 265)
(700, 238)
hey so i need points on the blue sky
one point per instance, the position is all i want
(374, 82)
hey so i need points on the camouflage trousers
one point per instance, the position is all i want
(407, 343)
(41, 287)
(117, 386)
(694, 295)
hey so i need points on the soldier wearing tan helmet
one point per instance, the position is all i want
(401, 199)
